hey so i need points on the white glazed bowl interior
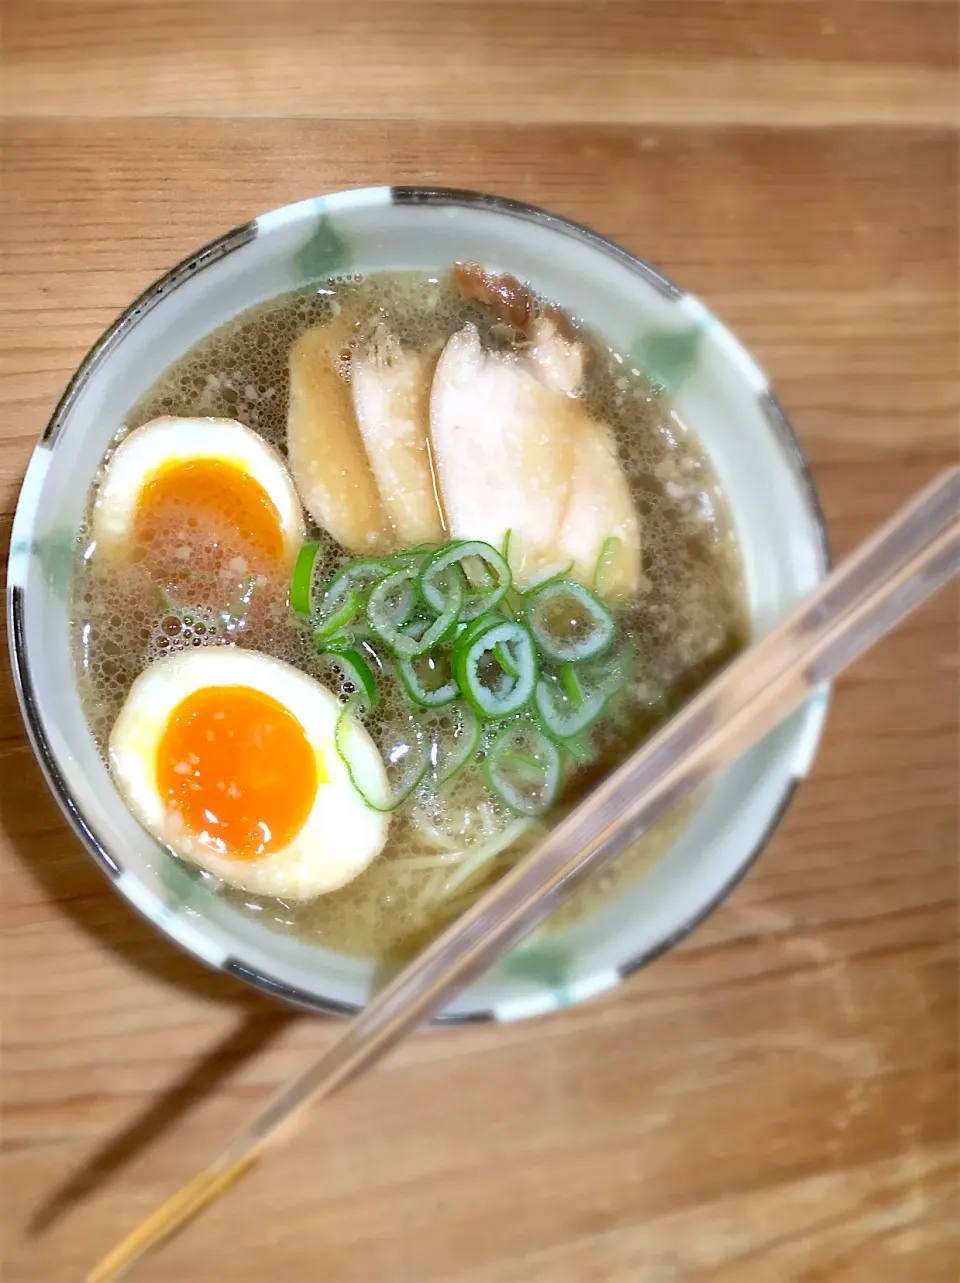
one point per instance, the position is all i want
(718, 390)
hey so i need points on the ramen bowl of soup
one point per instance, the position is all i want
(360, 547)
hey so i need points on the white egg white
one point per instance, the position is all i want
(162, 442)
(341, 834)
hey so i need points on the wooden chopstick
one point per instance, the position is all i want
(907, 560)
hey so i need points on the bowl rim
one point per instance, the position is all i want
(214, 251)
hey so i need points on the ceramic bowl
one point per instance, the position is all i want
(717, 389)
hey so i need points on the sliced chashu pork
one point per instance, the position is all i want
(503, 434)
(391, 397)
(600, 520)
(516, 450)
(329, 463)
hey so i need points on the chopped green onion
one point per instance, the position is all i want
(568, 621)
(523, 764)
(477, 574)
(469, 631)
(356, 633)
(560, 715)
(416, 628)
(444, 627)
(607, 552)
(339, 618)
(427, 679)
(389, 607)
(406, 763)
(353, 675)
(454, 731)
(359, 576)
(523, 769)
(512, 604)
(437, 578)
(466, 648)
(505, 659)
(571, 683)
(506, 694)
(301, 584)
(598, 681)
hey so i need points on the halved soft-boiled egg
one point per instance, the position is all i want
(227, 757)
(200, 497)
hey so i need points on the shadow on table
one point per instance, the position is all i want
(38, 835)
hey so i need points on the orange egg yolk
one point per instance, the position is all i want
(238, 769)
(213, 499)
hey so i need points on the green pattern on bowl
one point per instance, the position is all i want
(181, 886)
(325, 254)
(668, 357)
(54, 553)
(544, 962)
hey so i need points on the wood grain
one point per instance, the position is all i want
(767, 61)
(776, 1101)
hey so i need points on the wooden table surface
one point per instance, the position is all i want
(778, 1099)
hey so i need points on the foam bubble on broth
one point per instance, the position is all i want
(688, 619)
